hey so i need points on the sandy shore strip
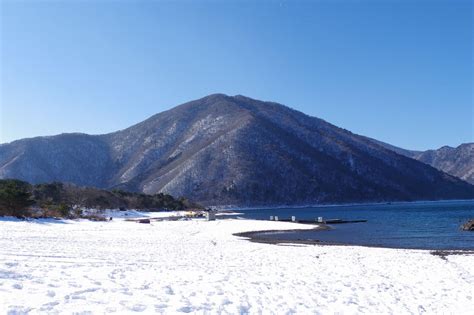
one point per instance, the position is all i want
(201, 267)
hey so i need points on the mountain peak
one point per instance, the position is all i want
(215, 96)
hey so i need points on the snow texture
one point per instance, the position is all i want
(196, 266)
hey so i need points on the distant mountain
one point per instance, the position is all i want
(457, 161)
(223, 150)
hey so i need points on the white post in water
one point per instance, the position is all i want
(271, 218)
(293, 218)
(320, 219)
(276, 218)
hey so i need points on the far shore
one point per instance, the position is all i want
(276, 207)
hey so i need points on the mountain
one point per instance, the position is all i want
(222, 150)
(457, 161)
(409, 153)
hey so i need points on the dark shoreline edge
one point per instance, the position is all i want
(258, 237)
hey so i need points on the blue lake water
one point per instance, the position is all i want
(420, 225)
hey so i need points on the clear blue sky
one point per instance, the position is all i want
(399, 71)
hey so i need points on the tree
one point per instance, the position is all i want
(15, 197)
(46, 194)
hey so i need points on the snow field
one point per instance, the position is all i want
(200, 267)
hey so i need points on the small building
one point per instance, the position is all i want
(211, 215)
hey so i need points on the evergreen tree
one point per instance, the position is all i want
(15, 197)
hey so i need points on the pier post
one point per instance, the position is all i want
(293, 218)
(271, 218)
(276, 218)
(320, 219)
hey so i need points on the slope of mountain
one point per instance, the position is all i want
(233, 150)
(76, 158)
(405, 152)
(457, 161)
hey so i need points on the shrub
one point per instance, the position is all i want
(95, 217)
(61, 210)
(64, 210)
(78, 213)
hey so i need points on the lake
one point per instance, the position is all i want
(417, 225)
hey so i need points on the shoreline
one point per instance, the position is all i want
(259, 237)
(277, 207)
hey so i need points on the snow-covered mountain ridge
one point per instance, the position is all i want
(232, 150)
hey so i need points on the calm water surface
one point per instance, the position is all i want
(427, 225)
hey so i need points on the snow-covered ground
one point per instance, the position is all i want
(200, 267)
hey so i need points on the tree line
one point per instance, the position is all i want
(21, 199)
